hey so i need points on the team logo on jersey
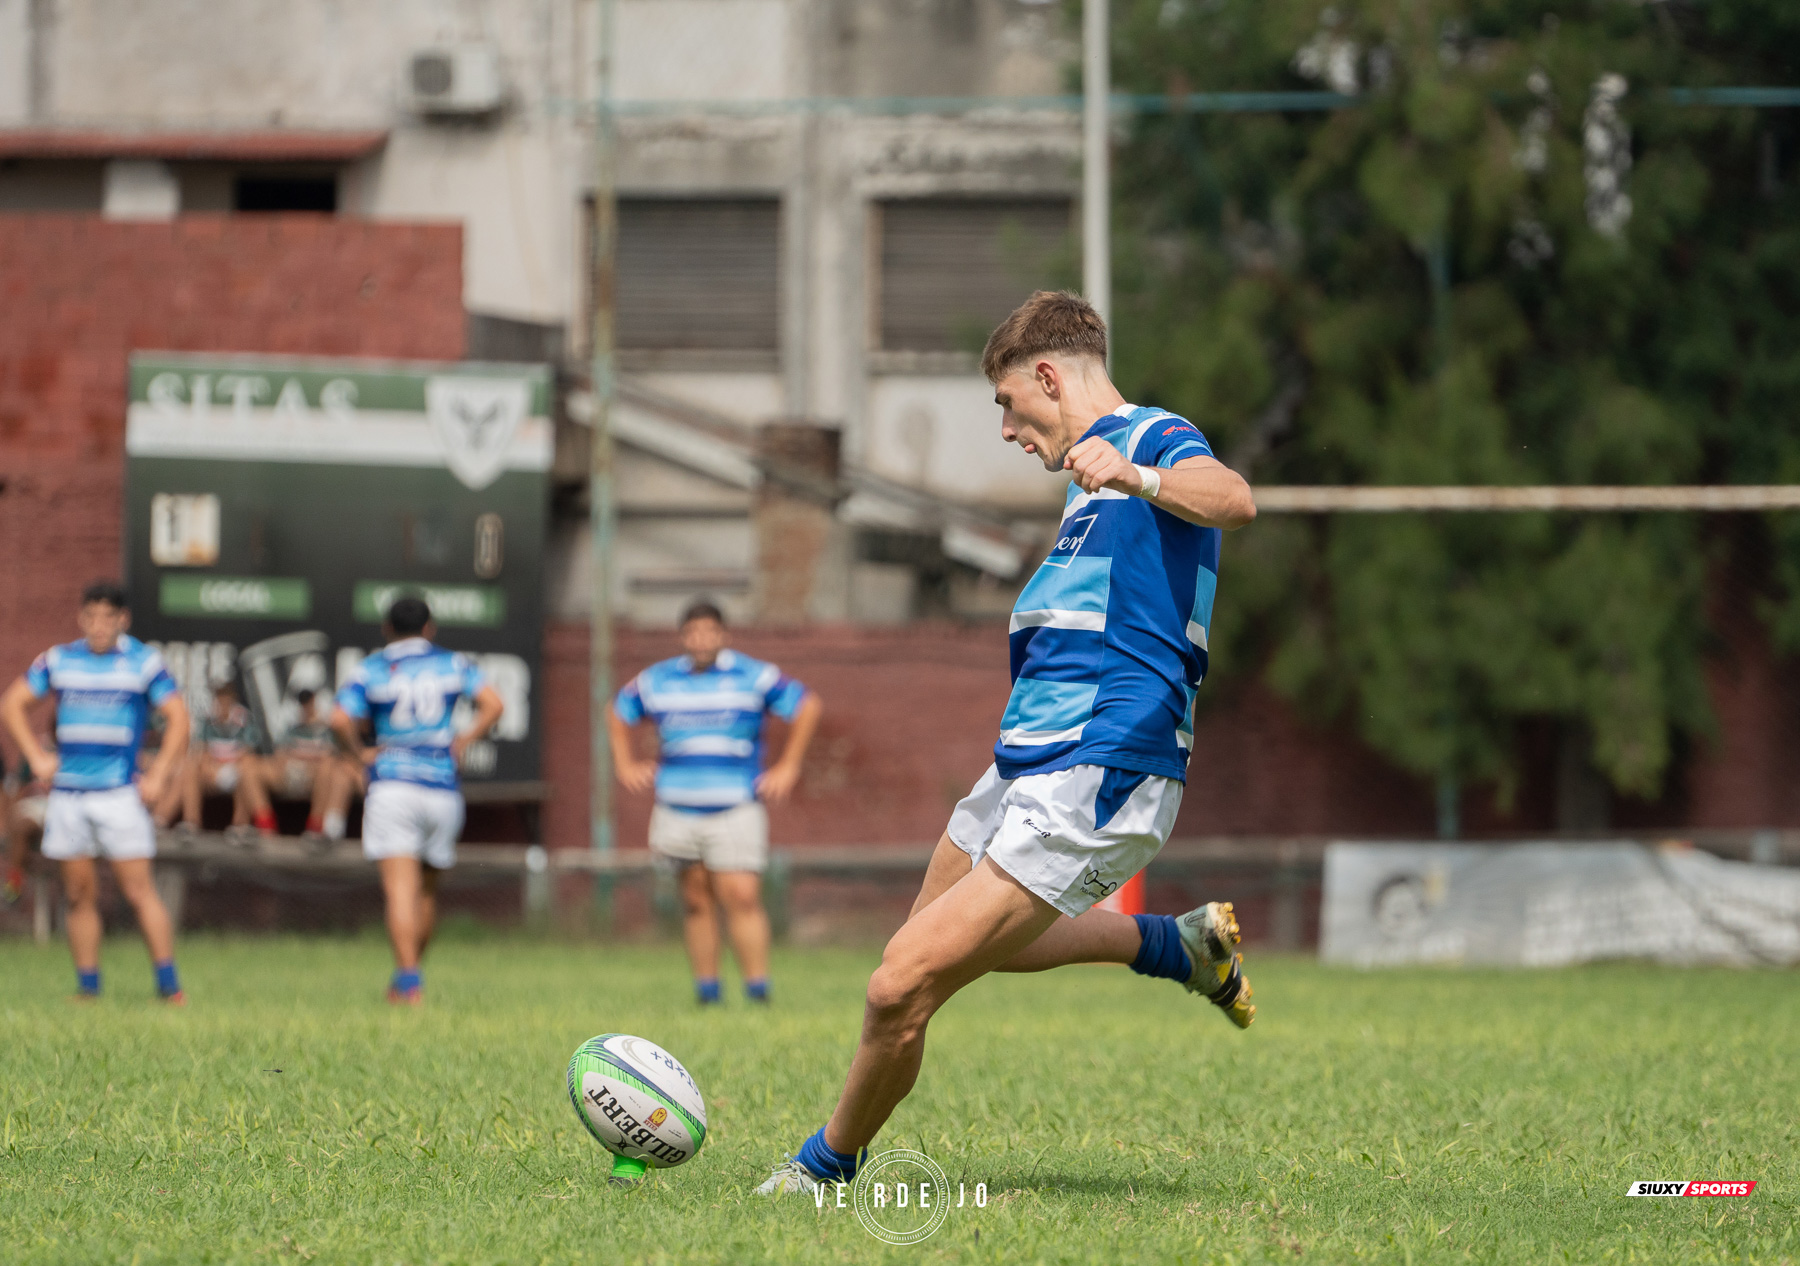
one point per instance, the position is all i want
(475, 420)
(1180, 426)
(1070, 537)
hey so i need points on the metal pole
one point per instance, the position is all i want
(602, 512)
(1096, 183)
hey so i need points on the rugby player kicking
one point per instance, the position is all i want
(1108, 646)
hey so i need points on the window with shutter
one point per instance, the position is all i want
(699, 273)
(952, 268)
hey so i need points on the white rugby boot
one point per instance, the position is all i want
(790, 1178)
(1210, 935)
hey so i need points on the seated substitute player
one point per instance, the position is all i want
(708, 707)
(106, 684)
(310, 765)
(24, 800)
(227, 760)
(1108, 645)
(414, 810)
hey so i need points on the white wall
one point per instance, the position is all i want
(943, 433)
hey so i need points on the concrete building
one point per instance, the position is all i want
(823, 205)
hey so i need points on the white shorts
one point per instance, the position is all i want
(731, 839)
(1042, 829)
(403, 819)
(113, 824)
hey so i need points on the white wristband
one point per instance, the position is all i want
(1152, 483)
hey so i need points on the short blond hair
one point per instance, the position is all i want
(1049, 322)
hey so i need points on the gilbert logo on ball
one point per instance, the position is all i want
(638, 1101)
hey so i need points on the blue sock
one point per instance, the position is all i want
(1161, 953)
(757, 990)
(824, 1161)
(707, 990)
(88, 981)
(407, 981)
(167, 983)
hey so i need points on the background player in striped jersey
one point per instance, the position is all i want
(408, 692)
(105, 685)
(708, 706)
(1108, 643)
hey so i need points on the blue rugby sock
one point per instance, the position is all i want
(707, 991)
(757, 990)
(87, 981)
(826, 1162)
(167, 983)
(1161, 954)
(407, 981)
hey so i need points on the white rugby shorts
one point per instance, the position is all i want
(404, 819)
(1047, 832)
(731, 839)
(113, 824)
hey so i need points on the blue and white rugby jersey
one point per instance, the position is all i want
(411, 687)
(1108, 638)
(710, 724)
(102, 704)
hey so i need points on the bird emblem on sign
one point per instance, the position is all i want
(475, 419)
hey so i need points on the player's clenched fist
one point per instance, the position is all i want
(1097, 464)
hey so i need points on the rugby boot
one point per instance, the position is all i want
(790, 1178)
(1210, 936)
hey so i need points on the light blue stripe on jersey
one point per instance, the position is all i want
(1040, 712)
(411, 688)
(102, 704)
(1070, 594)
(710, 724)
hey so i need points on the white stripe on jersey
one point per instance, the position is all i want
(1051, 618)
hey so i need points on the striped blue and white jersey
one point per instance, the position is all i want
(710, 722)
(411, 688)
(103, 703)
(1108, 638)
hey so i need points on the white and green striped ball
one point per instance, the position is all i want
(637, 1100)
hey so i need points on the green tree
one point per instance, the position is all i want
(1517, 258)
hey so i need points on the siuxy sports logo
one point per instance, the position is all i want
(1689, 1187)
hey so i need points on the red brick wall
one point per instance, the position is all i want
(909, 724)
(77, 293)
(911, 715)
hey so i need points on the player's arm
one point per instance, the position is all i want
(634, 774)
(349, 733)
(1201, 490)
(174, 746)
(777, 781)
(488, 707)
(18, 697)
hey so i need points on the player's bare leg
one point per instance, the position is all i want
(1208, 935)
(985, 919)
(81, 889)
(699, 928)
(739, 893)
(139, 887)
(428, 907)
(403, 888)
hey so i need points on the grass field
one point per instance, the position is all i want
(1403, 1116)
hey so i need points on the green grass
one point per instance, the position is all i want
(1405, 1116)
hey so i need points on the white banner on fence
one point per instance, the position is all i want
(1542, 905)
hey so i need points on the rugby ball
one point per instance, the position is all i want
(637, 1100)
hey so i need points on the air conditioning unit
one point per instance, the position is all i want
(455, 79)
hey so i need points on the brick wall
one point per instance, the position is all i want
(911, 715)
(909, 725)
(78, 293)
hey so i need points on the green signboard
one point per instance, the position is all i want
(257, 597)
(277, 505)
